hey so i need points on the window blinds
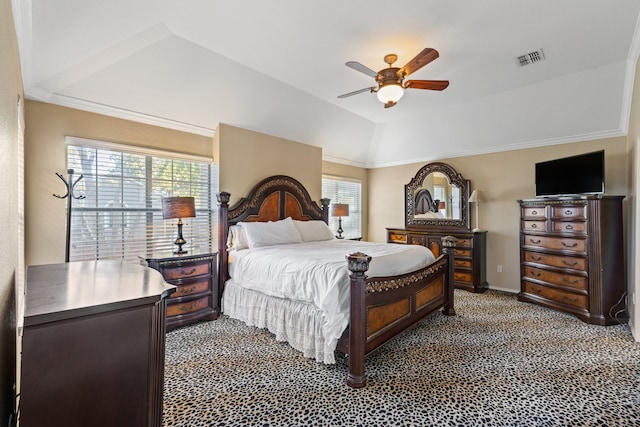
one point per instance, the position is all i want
(341, 190)
(120, 216)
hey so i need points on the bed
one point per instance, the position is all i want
(338, 307)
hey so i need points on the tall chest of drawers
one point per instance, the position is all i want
(470, 253)
(572, 256)
(196, 277)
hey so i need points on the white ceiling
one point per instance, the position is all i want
(277, 67)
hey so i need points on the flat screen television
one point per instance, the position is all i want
(581, 174)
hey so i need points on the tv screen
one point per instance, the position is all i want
(581, 174)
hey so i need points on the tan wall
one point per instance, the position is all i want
(11, 255)
(633, 227)
(501, 178)
(247, 157)
(45, 154)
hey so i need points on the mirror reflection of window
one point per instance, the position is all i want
(455, 203)
(440, 194)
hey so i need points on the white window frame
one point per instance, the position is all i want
(148, 234)
(345, 190)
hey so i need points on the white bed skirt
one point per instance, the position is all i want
(298, 323)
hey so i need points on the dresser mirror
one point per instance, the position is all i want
(437, 198)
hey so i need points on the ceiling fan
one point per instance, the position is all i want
(390, 80)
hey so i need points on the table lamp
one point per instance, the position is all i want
(178, 207)
(340, 210)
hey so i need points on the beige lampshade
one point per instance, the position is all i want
(178, 207)
(340, 209)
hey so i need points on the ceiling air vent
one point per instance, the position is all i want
(530, 58)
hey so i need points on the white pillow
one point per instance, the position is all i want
(236, 239)
(270, 233)
(313, 231)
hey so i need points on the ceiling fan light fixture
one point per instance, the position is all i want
(390, 93)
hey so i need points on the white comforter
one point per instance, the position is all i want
(317, 273)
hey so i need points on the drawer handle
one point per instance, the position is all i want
(536, 258)
(566, 298)
(569, 227)
(185, 290)
(535, 242)
(536, 290)
(571, 282)
(568, 212)
(187, 273)
(534, 225)
(534, 273)
(184, 307)
(569, 246)
(534, 212)
(569, 264)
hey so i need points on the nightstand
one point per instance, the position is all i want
(196, 278)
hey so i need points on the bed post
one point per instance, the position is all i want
(223, 230)
(449, 248)
(325, 209)
(358, 265)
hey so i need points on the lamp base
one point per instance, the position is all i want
(180, 240)
(476, 230)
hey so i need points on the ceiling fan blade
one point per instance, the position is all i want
(423, 58)
(355, 92)
(362, 68)
(426, 84)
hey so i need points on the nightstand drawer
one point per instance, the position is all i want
(188, 306)
(397, 238)
(464, 243)
(463, 252)
(186, 270)
(192, 287)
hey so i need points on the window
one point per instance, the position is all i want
(120, 216)
(344, 190)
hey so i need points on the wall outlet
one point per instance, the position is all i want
(499, 269)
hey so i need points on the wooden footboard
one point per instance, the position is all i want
(383, 307)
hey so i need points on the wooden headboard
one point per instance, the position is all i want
(272, 199)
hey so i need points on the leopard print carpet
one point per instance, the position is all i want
(499, 362)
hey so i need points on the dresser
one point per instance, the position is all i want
(196, 277)
(93, 344)
(572, 256)
(470, 253)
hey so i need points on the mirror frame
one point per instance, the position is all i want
(462, 224)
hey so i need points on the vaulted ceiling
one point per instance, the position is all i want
(277, 67)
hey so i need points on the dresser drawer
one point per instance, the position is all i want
(417, 240)
(556, 260)
(569, 227)
(397, 238)
(464, 243)
(462, 253)
(534, 212)
(574, 212)
(459, 276)
(554, 243)
(181, 271)
(192, 287)
(534, 225)
(566, 298)
(561, 279)
(188, 306)
(462, 263)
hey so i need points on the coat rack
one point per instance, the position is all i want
(69, 195)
